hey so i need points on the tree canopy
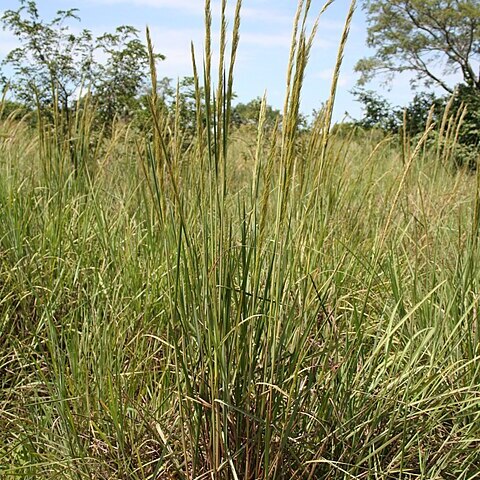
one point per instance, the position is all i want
(431, 38)
(55, 61)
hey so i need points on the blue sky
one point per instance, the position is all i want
(264, 44)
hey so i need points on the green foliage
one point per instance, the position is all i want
(51, 62)
(468, 97)
(249, 113)
(49, 65)
(465, 110)
(180, 101)
(378, 112)
(54, 64)
(118, 81)
(421, 36)
(417, 112)
(460, 113)
(431, 38)
(13, 110)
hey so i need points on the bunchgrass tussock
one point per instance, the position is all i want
(261, 303)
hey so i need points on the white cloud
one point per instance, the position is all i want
(175, 44)
(327, 75)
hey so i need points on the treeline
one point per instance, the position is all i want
(460, 112)
(58, 70)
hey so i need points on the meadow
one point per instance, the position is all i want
(240, 303)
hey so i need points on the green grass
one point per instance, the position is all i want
(263, 305)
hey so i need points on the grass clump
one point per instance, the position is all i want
(284, 306)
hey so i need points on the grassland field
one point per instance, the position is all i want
(244, 304)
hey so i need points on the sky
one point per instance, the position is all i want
(263, 52)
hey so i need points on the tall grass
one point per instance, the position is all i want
(260, 305)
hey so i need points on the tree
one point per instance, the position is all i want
(119, 81)
(470, 97)
(377, 112)
(417, 112)
(51, 61)
(11, 109)
(178, 100)
(249, 113)
(180, 96)
(54, 62)
(430, 38)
